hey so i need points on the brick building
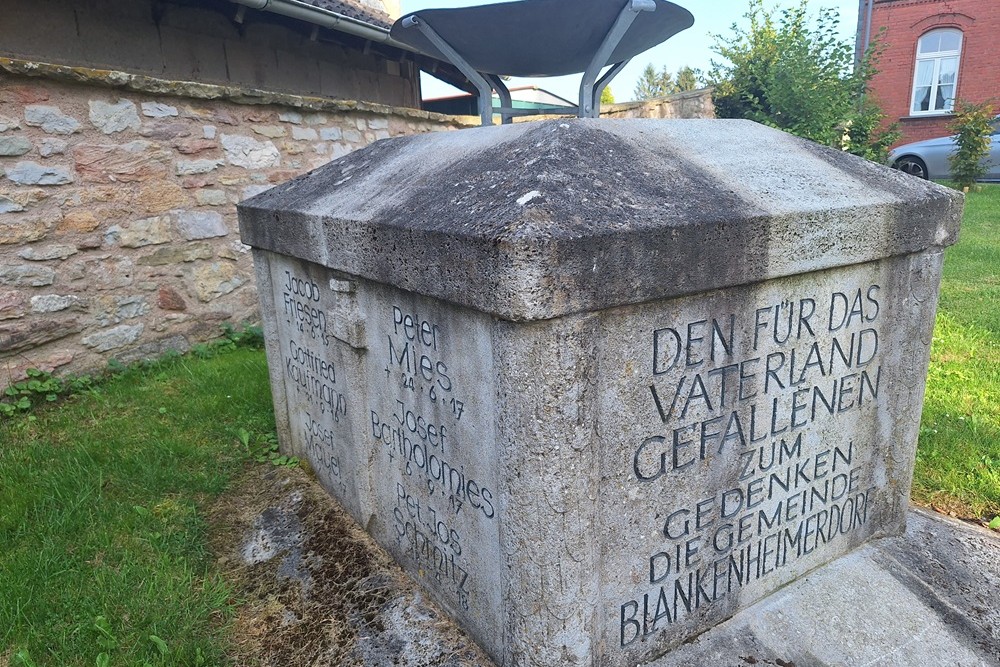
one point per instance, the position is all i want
(936, 52)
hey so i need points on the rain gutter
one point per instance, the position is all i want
(324, 18)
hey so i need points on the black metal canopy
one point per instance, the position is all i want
(541, 38)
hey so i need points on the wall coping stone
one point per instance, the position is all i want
(236, 94)
(538, 220)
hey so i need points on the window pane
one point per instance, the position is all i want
(945, 98)
(925, 73)
(949, 68)
(950, 40)
(921, 98)
(929, 43)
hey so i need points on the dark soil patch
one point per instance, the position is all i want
(314, 589)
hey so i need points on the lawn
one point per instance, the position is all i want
(103, 499)
(102, 515)
(958, 457)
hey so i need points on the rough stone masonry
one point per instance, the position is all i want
(598, 385)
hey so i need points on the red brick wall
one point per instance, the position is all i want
(904, 22)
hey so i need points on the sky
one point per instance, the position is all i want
(691, 47)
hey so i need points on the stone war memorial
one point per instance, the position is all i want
(597, 385)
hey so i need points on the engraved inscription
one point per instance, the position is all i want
(419, 425)
(754, 397)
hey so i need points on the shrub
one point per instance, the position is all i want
(972, 130)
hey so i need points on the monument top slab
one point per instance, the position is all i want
(537, 220)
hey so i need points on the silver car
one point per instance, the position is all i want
(929, 159)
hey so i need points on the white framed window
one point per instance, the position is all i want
(935, 78)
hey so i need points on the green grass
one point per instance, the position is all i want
(102, 521)
(958, 457)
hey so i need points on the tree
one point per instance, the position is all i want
(972, 129)
(607, 97)
(797, 74)
(654, 84)
(687, 79)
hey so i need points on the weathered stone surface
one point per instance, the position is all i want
(108, 272)
(192, 183)
(208, 131)
(158, 110)
(7, 123)
(187, 253)
(114, 338)
(254, 190)
(131, 162)
(32, 173)
(139, 233)
(27, 197)
(282, 175)
(50, 146)
(378, 123)
(155, 349)
(108, 310)
(14, 146)
(191, 167)
(26, 227)
(79, 220)
(330, 134)
(290, 117)
(934, 583)
(112, 118)
(293, 148)
(211, 197)
(216, 279)
(167, 298)
(12, 305)
(304, 134)
(28, 334)
(353, 136)
(53, 303)
(195, 225)
(48, 363)
(163, 131)
(8, 205)
(50, 119)
(249, 153)
(46, 253)
(161, 196)
(270, 131)
(643, 422)
(194, 146)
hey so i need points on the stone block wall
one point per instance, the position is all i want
(690, 104)
(118, 231)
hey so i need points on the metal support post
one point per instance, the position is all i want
(588, 107)
(504, 95)
(477, 79)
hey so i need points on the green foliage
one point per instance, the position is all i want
(867, 135)
(38, 388)
(103, 515)
(796, 74)
(654, 84)
(607, 97)
(265, 449)
(972, 129)
(687, 79)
